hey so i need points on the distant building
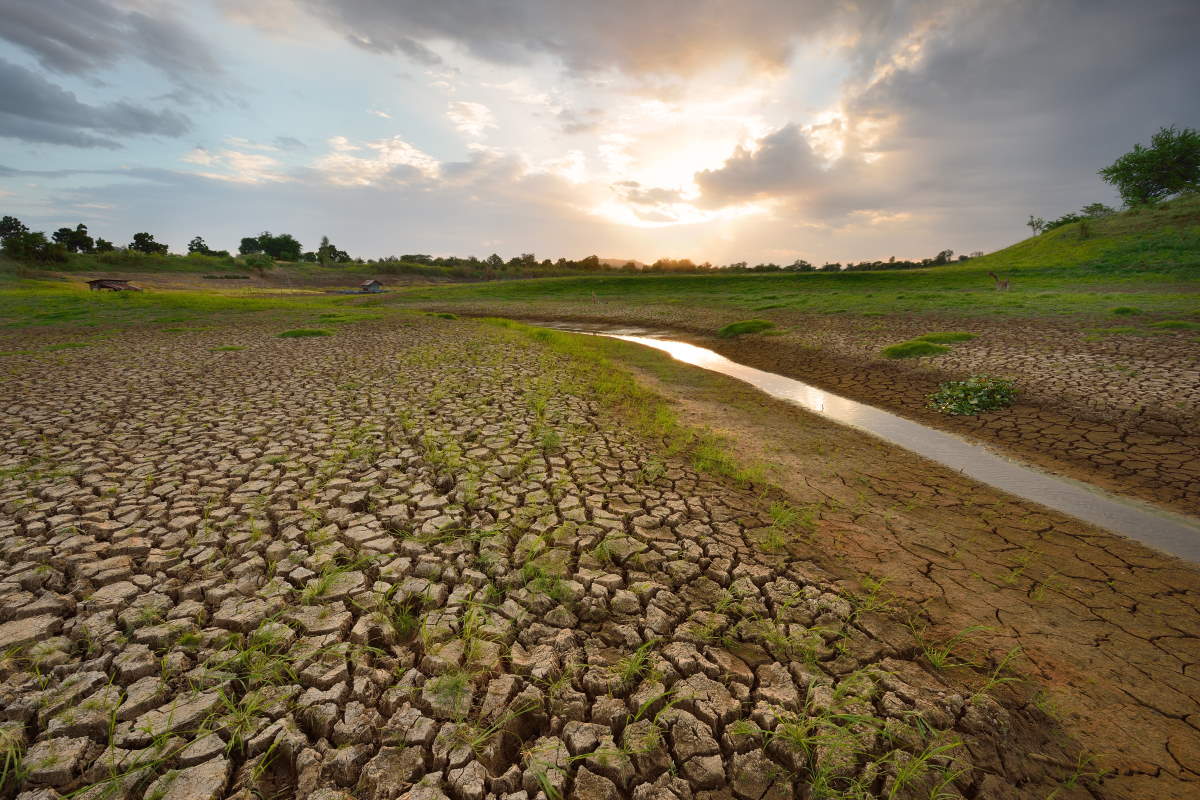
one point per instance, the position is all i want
(112, 285)
(371, 286)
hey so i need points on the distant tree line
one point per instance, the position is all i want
(262, 251)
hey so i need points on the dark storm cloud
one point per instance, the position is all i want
(1011, 107)
(671, 36)
(77, 37)
(33, 109)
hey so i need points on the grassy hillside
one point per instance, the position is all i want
(1147, 259)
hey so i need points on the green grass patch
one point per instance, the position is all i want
(227, 348)
(299, 333)
(1176, 325)
(946, 337)
(1125, 311)
(745, 326)
(914, 349)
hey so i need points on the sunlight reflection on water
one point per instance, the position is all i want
(1172, 533)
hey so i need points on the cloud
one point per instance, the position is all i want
(675, 37)
(82, 36)
(32, 109)
(385, 161)
(236, 166)
(471, 119)
(782, 163)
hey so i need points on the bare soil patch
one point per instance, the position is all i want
(420, 560)
(1107, 629)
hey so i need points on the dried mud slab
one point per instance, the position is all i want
(420, 560)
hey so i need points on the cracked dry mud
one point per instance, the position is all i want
(1119, 411)
(422, 560)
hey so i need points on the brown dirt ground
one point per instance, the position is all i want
(1120, 412)
(1107, 628)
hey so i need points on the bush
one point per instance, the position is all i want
(946, 337)
(297, 333)
(745, 326)
(914, 349)
(975, 395)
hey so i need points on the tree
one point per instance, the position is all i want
(943, 257)
(104, 246)
(144, 243)
(198, 245)
(75, 240)
(250, 246)
(10, 226)
(1171, 164)
(33, 246)
(1097, 210)
(1036, 224)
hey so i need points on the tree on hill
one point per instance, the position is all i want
(197, 246)
(327, 253)
(104, 246)
(1171, 164)
(283, 247)
(144, 243)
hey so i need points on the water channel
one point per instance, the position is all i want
(1172, 533)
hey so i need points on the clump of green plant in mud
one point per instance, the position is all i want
(946, 337)
(975, 395)
(914, 349)
(297, 333)
(745, 326)
(1125, 311)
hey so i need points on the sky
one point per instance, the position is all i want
(760, 131)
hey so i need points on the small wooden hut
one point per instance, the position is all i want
(112, 285)
(371, 287)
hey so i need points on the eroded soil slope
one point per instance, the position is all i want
(421, 560)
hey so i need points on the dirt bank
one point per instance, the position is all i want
(1106, 628)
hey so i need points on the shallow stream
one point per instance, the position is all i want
(1171, 533)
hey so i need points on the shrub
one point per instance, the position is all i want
(297, 333)
(975, 395)
(446, 315)
(946, 337)
(914, 349)
(745, 326)
(1125, 311)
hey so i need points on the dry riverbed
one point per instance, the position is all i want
(1118, 410)
(429, 558)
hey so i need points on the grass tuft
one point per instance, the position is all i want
(1176, 325)
(745, 326)
(946, 337)
(297, 333)
(227, 348)
(914, 349)
(1125, 311)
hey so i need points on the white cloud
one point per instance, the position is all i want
(393, 159)
(471, 119)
